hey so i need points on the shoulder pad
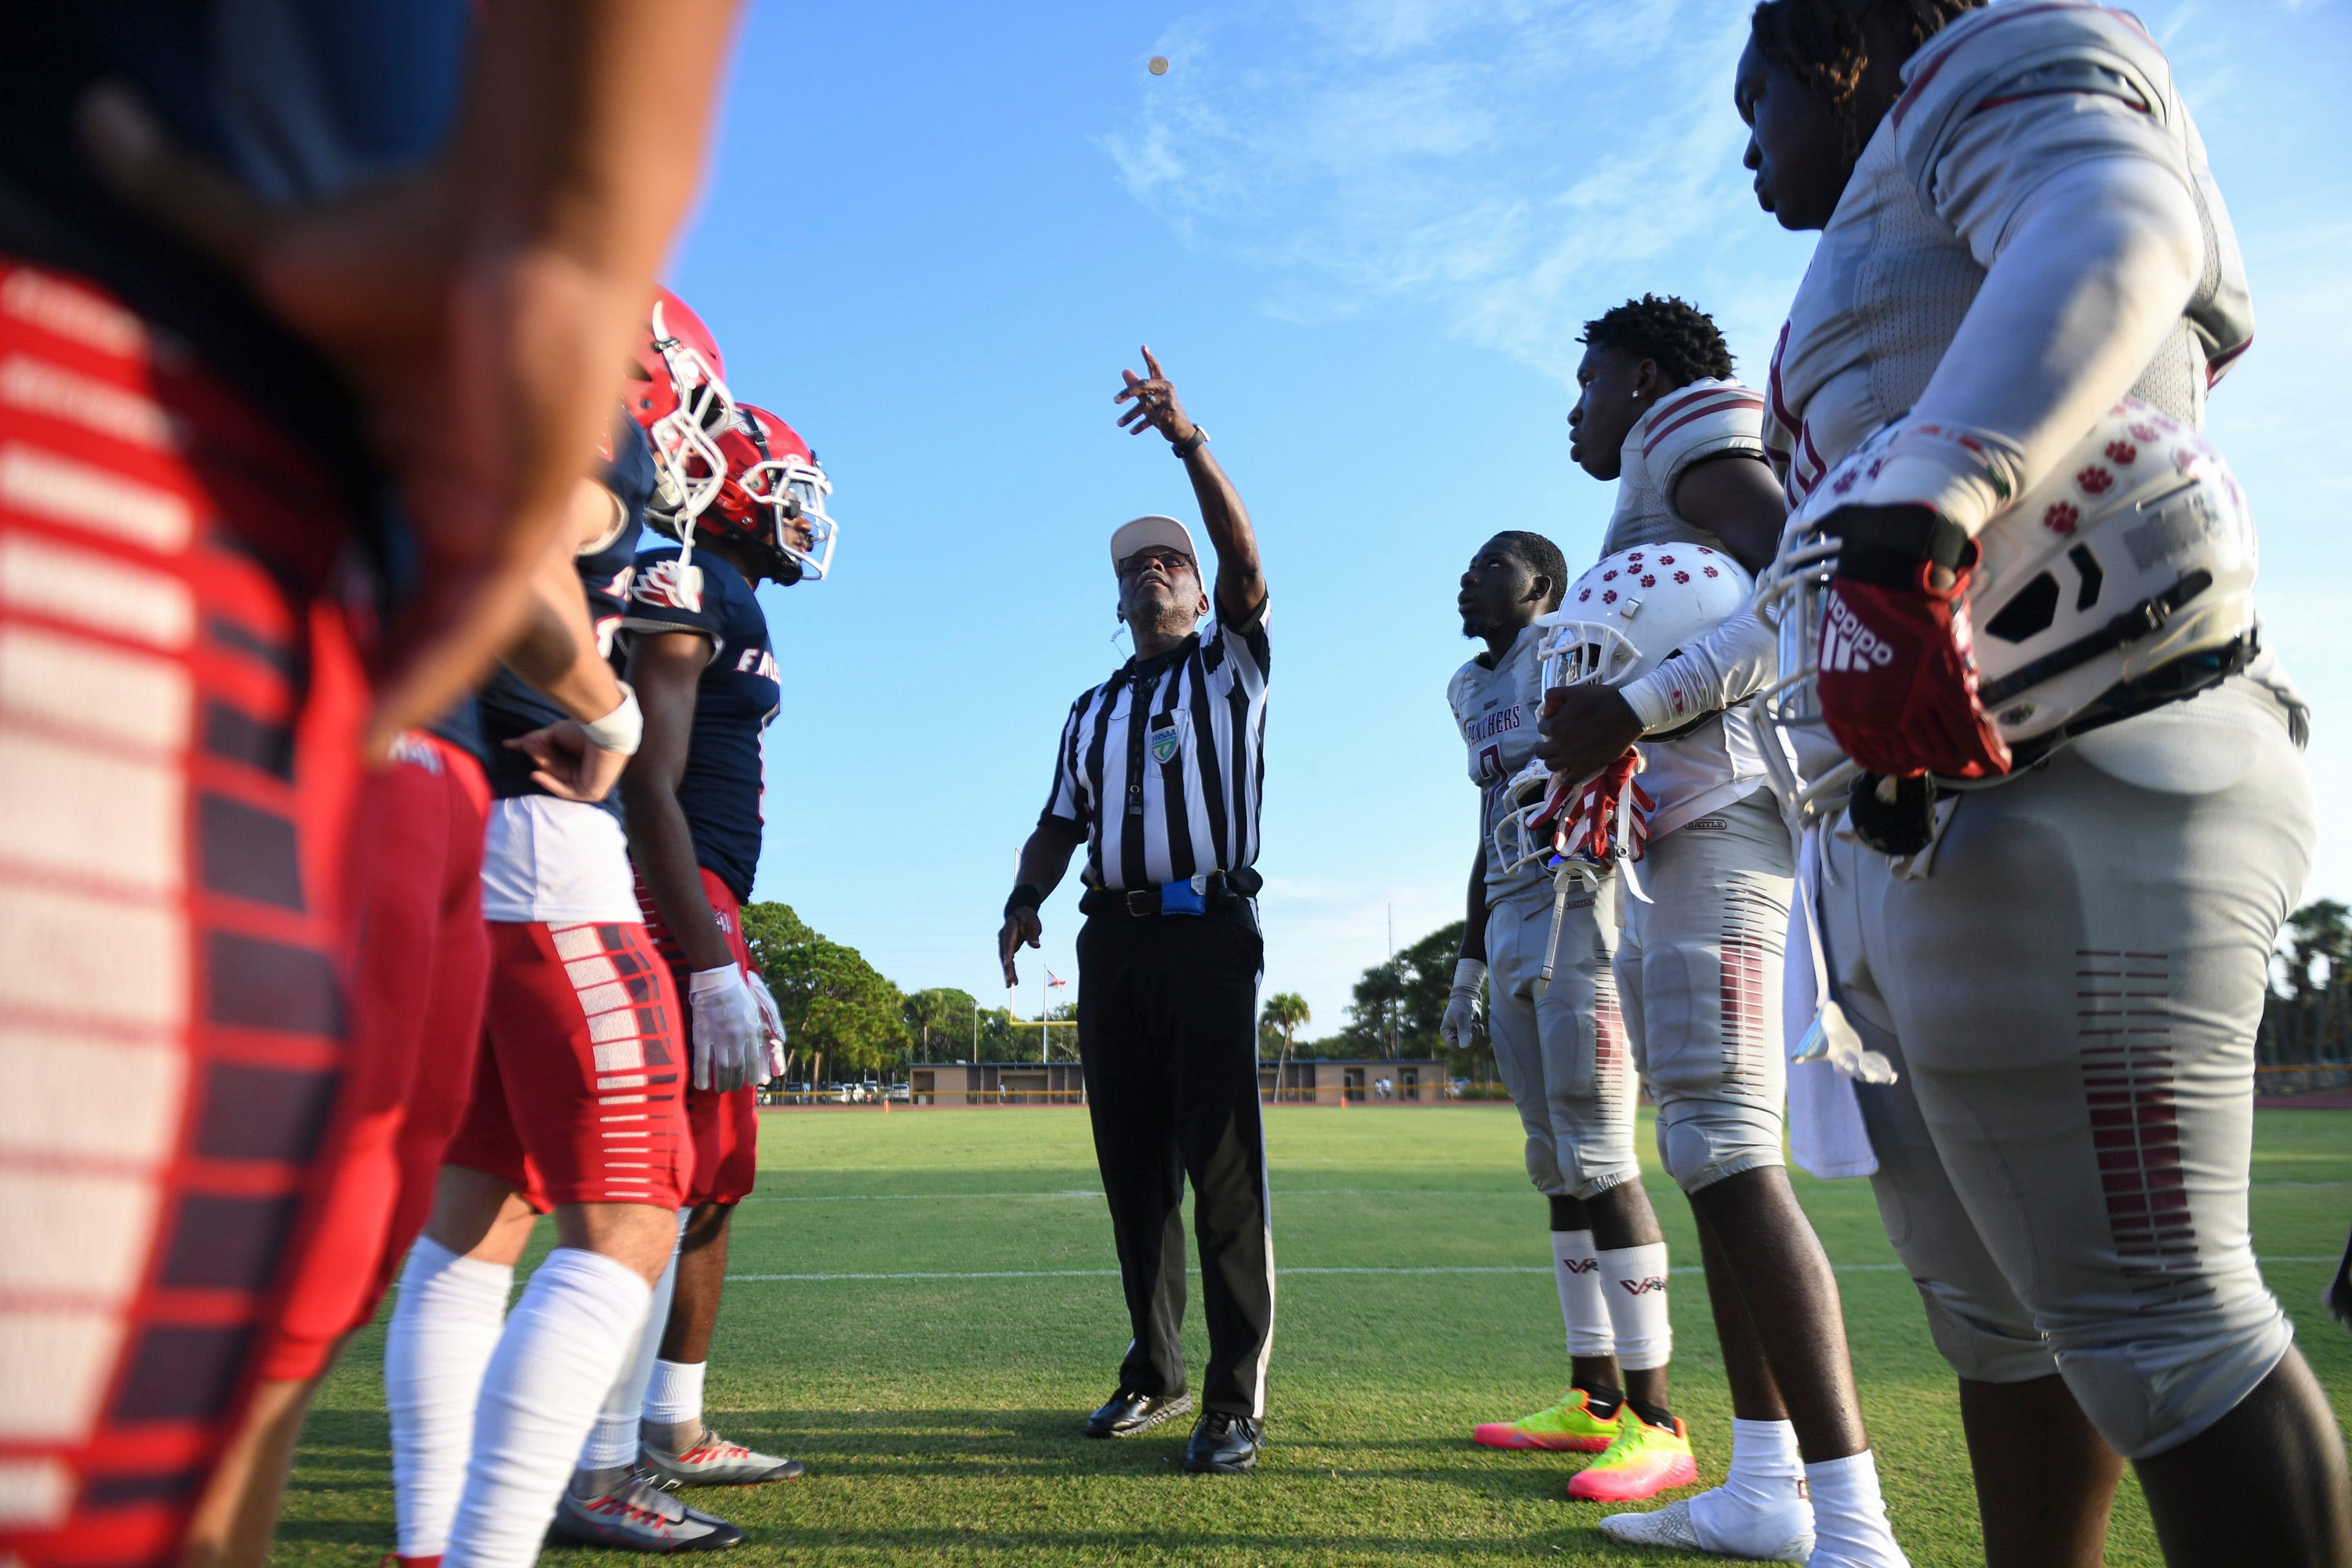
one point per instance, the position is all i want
(2026, 48)
(1701, 420)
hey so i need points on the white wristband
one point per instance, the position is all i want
(703, 982)
(1467, 972)
(619, 730)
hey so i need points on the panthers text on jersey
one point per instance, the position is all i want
(1497, 703)
(724, 774)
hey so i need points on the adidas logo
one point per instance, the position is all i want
(1848, 647)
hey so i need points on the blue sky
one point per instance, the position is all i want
(1361, 236)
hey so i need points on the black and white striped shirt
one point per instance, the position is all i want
(1177, 794)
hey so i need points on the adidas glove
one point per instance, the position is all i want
(1461, 1020)
(1611, 818)
(728, 1038)
(1899, 668)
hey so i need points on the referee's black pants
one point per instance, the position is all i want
(1167, 1031)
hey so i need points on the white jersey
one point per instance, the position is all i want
(2003, 107)
(1995, 107)
(561, 862)
(1496, 706)
(1691, 424)
(1717, 763)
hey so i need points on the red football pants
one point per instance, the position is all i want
(726, 1127)
(180, 699)
(576, 1092)
(423, 967)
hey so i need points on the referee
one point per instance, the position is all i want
(1158, 775)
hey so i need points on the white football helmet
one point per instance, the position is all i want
(1520, 842)
(1634, 610)
(2123, 579)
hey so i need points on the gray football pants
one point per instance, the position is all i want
(1562, 1054)
(2070, 996)
(1699, 976)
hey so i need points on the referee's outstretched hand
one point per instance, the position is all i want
(1022, 929)
(1156, 407)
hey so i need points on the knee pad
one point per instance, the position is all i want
(2150, 1393)
(1978, 1348)
(1701, 1142)
(1543, 1170)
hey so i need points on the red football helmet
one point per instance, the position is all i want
(678, 391)
(772, 496)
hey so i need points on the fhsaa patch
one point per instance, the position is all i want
(1164, 744)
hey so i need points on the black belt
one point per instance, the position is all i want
(1217, 890)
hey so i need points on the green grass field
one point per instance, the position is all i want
(925, 1307)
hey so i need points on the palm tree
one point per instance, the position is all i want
(1286, 1011)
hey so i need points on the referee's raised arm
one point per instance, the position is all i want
(1157, 772)
(1241, 583)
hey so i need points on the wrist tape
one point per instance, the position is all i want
(619, 730)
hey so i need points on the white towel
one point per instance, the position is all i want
(1826, 1136)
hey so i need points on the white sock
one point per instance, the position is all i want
(675, 1394)
(444, 1327)
(1633, 1280)
(1760, 1507)
(1850, 1529)
(562, 1348)
(612, 1441)
(1583, 1307)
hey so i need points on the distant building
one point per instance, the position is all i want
(1320, 1082)
(1355, 1082)
(998, 1083)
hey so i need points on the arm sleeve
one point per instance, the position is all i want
(1066, 801)
(1728, 666)
(2084, 210)
(1243, 655)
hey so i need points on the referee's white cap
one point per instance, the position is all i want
(1146, 531)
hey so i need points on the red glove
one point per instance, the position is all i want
(1592, 828)
(1899, 667)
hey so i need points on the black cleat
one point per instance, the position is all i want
(1222, 1445)
(1130, 1415)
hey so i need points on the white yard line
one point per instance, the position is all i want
(1113, 1273)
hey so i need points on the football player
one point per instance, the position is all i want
(1556, 1035)
(699, 655)
(576, 1104)
(218, 398)
(422, 977)
(1699, 963)
(2066, 964)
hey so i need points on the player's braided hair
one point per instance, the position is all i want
(1680, 336)
(1825, 44)
(1543, 559)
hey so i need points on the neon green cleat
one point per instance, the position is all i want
(1567, 1428)
(1644, 1462)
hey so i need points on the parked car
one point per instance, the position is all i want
(904, 1093)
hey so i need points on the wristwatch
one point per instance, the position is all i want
(1189, 444)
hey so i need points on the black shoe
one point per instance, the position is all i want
(1130, 1415)
(1222, 1444)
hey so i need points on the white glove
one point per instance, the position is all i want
(771, 1022)
(727, 1030)
(1462, 1004)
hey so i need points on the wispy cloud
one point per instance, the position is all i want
(1513, 166)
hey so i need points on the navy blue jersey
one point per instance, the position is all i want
(510, 708)
(295, 98)
(725, 776)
